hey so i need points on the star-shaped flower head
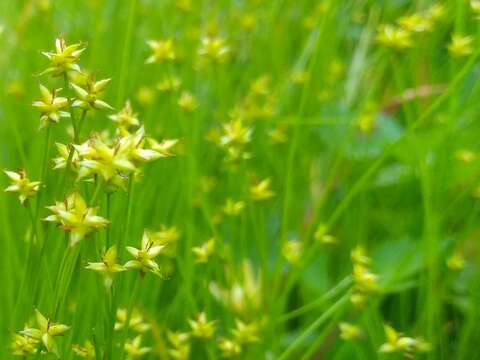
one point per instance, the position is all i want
(65, 153)
(261, 190)
(162, 50)
(64, 58)
(177, 338)
(134, 348)
(22, 185)
(187, 102)
(112, 159)
(394, 37)
(144, 257)
(22, 345)
(74, 216)
(201, 327)
(137, 322)
(86, 351)
(46, 332)
(232, 207)
(126, 118)
(245, 333)
(229, 348)
(349, 332)
(235, 133)
(108, 267)
(396, 342)
(50, 106)
(164, 148)
(214, 49)
(88, 97)
(203, 252)
(461, 46)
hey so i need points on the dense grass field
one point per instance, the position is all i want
(251, 179)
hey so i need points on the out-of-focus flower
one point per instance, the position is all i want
(181, 347)
(229, 348)
(460, 46)
(365, 281)
(232, 207)
(349, 331)
(397, 343)
(292, 251)
(214, 49)
(394, 37)
(24, 346)
(169, 84)
(261, 190)
(203, 252)
(162, 50)
(201, 327)
(86, 351)
(246, 333)
(126, 118)
(456, 261)
(134, 348)
(417, 23)
(322, 235)
(137, 322)
(187, 102)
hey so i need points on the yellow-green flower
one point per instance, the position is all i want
(201, 327)
(181, 347)
(229, 348)
(50, 106)
(86, 351)
(64, 58)
(64, 152)
(22, 185)
(126, 118)
(203, 252)
(394, 37)
(292, 251)
(144, 257)
(232, 207)
(349, 331)
(214, 49)
(397, 343)
(121, 157)
(22, 345)
(169, 83)
(134, 348)
(322, 235)
(108, 267)
(162, 50)
(261, 190)
(456, 261)
(416, 23)
(245, 333)
(460, 46)
(164, 148)
(88, 98)
(46, 332)
(75, 217)
(187, 102)
(137, 322)
(235, 133)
